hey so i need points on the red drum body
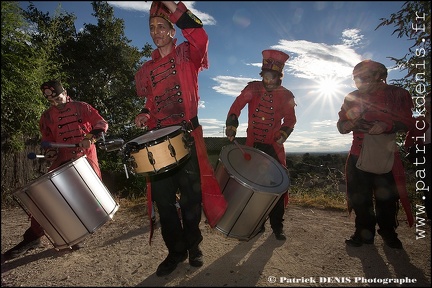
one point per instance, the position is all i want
(70, 202)
(251, 188)
(158, 150)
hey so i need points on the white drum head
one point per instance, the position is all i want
(261, 173)
(155, 134)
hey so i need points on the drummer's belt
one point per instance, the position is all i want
(192, 124)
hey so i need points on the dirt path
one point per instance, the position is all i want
(118, 254)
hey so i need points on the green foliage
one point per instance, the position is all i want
(96, 65)
(118, 178)
(21, 107)
(47, 47)
(50, 35)
(413, 21)
(103, 68)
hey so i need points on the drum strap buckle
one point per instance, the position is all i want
(192, 124)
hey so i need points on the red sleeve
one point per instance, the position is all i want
(96, 121)
(241, 101)
(288, 112)
(197, 38)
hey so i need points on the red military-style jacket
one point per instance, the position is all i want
(268, 113)
(69, 125)
(170, 88)
(389, 104)
(169, 84)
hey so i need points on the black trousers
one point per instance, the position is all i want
(179, 234)
(374, 199)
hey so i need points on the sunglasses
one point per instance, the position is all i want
(363, 78)
(49, 92)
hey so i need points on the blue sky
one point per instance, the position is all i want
(324, 40)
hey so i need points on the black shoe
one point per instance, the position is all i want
(77, 247)
(357, 241)
(170, 264)
(280, 235)
(21, 248)
(393, 242)
(196, 257)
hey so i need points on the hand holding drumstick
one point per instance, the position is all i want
(246, 155)
(141, 120)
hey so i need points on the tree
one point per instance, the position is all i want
(96, 65)
(20, 77)
(103, 68)
(414, 22)
(50, 35)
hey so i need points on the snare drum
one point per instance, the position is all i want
(158, 150)
(70, 202)
(251, 187)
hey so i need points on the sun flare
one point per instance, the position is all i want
(325, 94)
(328, 87)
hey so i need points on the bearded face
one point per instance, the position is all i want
(368, 75)
(271, 80)
(366, 81)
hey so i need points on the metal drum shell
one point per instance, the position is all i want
(251, 188)
(70, 202)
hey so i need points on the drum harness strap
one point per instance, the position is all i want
(192, 124)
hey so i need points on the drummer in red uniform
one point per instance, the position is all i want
(271, 119)
(64, 122)
(169, 84)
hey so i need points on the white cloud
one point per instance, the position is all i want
(351, 37)
(313, 60)
(144, 6)
(201, 104)
(213, 127)
(231, 86)
(308, 60)
(323, 124)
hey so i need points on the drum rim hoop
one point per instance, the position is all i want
(241, 181)
(156, 141)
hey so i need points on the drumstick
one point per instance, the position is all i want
(246, 156)
(34, 156)
(110, 145)
(46, 144)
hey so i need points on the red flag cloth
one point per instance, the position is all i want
(150, 208)
(400, 179)
(214, 203)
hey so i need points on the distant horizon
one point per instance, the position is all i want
(318, 152)
(287, 151)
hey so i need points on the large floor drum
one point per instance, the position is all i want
(251, 188)
(70, 202)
